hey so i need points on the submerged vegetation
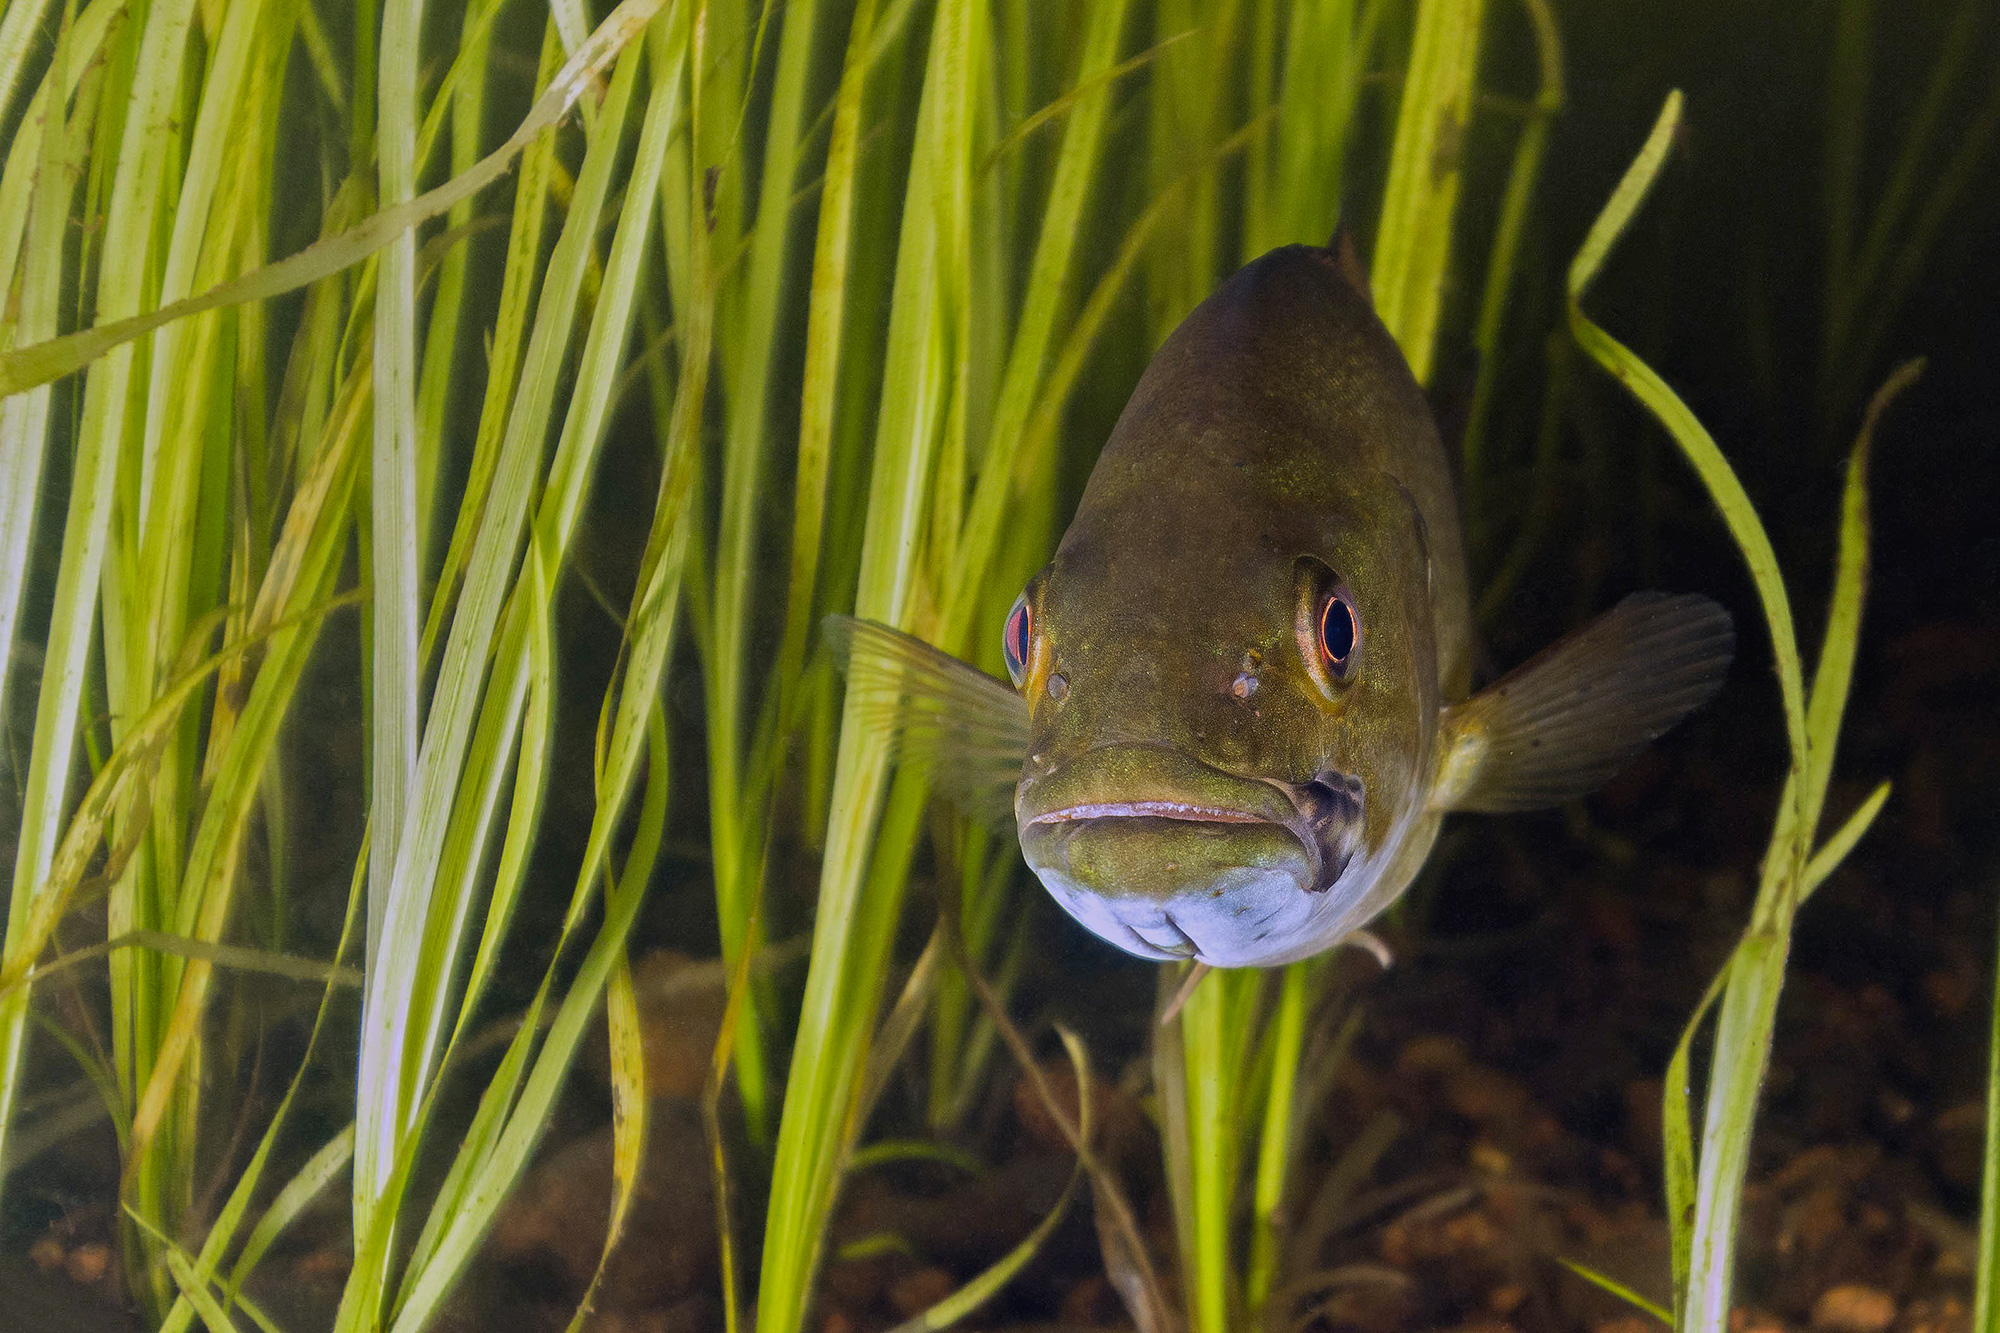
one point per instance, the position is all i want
(433, 438)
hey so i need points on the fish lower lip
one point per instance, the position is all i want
(1199, 814)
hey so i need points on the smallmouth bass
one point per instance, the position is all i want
(1241, 688)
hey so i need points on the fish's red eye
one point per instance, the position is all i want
(1338, 632)
(1018, 639)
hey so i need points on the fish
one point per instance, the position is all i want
(1241, 696)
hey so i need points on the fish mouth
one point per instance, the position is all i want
(1322, 813)
(1197, 814)
(1168, 857)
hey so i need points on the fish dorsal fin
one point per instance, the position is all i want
(1563, 723)
(968, 731)
(1347, 262)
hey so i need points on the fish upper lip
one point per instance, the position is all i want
(1183, 810)
(1323, 813)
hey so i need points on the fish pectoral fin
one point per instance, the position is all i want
(968, 731)
(1563, 723)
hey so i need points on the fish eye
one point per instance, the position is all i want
(1328, 626)
(1018, 639)
(1339, 630)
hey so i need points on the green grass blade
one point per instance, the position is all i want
(129, 230)
(1704, 1188)
(409, 989)
(1618, 1289)
(1742, 1052)
(18, 30)
(1835, 849)
(1986, 1265)
(1502, 262)
(733, 808)
(1029, 354)
(1738, 513)
(1420, 198)
(1275, 1145)
(1677, 1138)
(25, 367)
(850, 929)
(1834, 671)
(395, 669)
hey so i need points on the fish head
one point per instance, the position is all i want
(1230, 717)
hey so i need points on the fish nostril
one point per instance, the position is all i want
(1244, 685)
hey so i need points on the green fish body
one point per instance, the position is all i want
(1240, 705)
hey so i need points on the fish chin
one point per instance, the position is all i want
(1226, 893)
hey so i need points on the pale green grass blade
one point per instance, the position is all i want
(410, 982)
(826, 323)
(893, 1038)
(1986, 1265)
(24, 152)
(467, 103)
(87, 526)
(1714, 470)
(1704, 1189)
(733, 809)
(1420, 198)
(1211, 1037)
(628, 1118)
(1275, 1145)
(467, 1224)
(395, 670)
(1742, 1052)
(18, 30)
(503, 355)
(1835, 849)
(311, 1180)
(1185, 125)
(850, 929)
(124, 772)
(884, 1152)
(192, 1288)
(563, 498)
(1677, 1137)
(304, 566)
(236, 957)
(497, 1149)
(1030, 351)
(24, 418)
(1328, 45)
(1834, 671)
(26, 367)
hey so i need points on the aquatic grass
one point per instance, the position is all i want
(1705, 1178)
(878, 252)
